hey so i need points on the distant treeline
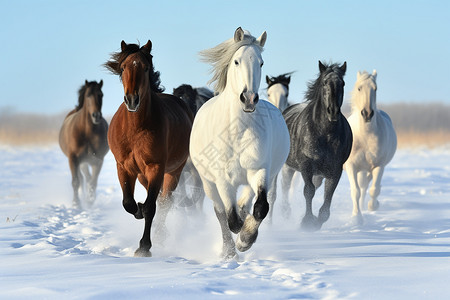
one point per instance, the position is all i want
(409, 119)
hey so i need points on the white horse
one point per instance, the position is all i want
(278, 90)
(237, 140)
(374, 144)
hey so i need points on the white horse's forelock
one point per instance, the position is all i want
(220, 56)
(361, 77)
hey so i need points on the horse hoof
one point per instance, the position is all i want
(142, 253)
(229, 255)
(357, 220)
(373, 205)
(138, 215)
(245, 242)
(311, 223)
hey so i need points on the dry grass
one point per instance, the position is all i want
(416, 126)
(430, 139)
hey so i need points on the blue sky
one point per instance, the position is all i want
(50, 47)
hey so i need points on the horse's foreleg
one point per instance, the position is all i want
(355, 193)
(228, 248)
(309, 221)
(127, 183)
(375, 189)
(74, 165)
(363, 182)
(147, 209)
(227, 194)
(245, 201)
(330, 187)
(249, 232)
(287, 174)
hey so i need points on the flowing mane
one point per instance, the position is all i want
(314, 86)
(117, 58)
(220, 56)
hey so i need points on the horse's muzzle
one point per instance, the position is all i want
(96, 117)
(132, 102)
(333, 113)
(366, 115)
(249, 100)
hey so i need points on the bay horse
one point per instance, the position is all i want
(83, 140)
(321, 139)
(374, 144)
(149, 137)
(238, 140)
(278, 90)
(190, 185)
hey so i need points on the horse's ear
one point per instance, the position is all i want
(147, 47)
(86, 82)
(374, 73)
(358, 75)
(101, 83)
(268, 79)
(344, 67)
(238, 35)
(322, 68)
(262, 39)
(288, 79)
(123, 45)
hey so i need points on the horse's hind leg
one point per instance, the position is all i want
(76, 177)
(165, 203)
(93, 180)
(287, 174)
(375, 189)
(271, 197)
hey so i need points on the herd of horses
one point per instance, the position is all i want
(228, 140)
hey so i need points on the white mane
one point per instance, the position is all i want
(220, 56)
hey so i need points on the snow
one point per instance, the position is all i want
(50, 251)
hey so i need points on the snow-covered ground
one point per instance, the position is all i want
(48, 250)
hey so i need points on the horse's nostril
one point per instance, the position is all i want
(256, 98)
(242, 97)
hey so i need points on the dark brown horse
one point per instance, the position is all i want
(83, 139)
(148, 135)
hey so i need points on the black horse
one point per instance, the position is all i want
(193, 97)
(321, 139)
(190, 185)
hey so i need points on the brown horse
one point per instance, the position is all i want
(83, 139)
(148, 135)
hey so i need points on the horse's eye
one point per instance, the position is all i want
(122, 69)
(262, 64)
(359, 89)
(236, 62)
(287, 95)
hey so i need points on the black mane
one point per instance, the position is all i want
(284, 79)
(117, 58)
(314, 86)
(82, 91)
